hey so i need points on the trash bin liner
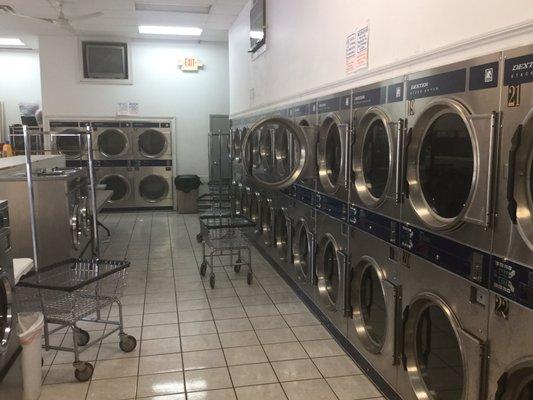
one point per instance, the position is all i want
(30, 331)
(187, 183)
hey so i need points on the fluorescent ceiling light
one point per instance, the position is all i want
(141, 6)
(170, 30)
(11, 42)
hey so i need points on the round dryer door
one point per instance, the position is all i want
(433, 350)
(521, 182)
(302, 250)
(442, 164)
(281, 234)
(328, 269)
(266, 222)
(153, 188)
(369, 304)
(517, 383)
(282, 152)
(331, 155)
(73, 147)
(119, 185)
(255, 211)
(112, 143)
(372, 161)
(6, 310)
(152, 143)
(259, 153)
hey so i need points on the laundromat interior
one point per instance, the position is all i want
(266, 200)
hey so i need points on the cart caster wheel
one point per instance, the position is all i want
(212, 281)
(82, 337)
(203, 268)
(85, 373)
(237, 268)
(127, 343)
(199, 238)
(249, 277)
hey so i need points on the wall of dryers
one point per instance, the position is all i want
(20, 81)
(159, 87)
(305, 49)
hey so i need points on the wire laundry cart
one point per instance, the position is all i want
(225, 236)
(75, 290)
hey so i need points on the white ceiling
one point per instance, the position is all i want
(120, 18)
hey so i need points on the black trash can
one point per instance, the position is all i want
(187, 191)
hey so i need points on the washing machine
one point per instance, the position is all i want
(513, 237)
(444, 347)
(152, 140)
(333, 119)
(378, 126)
(452, 113)
(118, 176)
(10, 349)
(258, 145)
(331, 268)
(153, 183)
(510, 326)
(304, 247)
(67, 139)
(374, 302)
(112, 140)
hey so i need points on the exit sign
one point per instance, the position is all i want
(190, 65)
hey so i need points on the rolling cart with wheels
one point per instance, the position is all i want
(225, 236)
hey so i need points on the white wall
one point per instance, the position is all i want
(305, 53)
(20, 81)
(159, 87)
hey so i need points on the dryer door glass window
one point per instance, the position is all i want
(438, 354)
(152, 143)
(118, 184)
(265, 149)
(266, 223)
(70, 146)
(6, 313)
(282, 152)
(376, 159)
(153, 188)
(446, 165)
(254, 209)
(112, 142)
(301, 251)
(331, 271)
(281, 234)
(333, 154)
(372, 306)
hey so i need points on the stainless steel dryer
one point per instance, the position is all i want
(378, 123)
(258, 163)
(112, 140)
(511, 343)
(9, 342)
(444, 334)
(153, 184)
(66, 139)
(513, 236)
(374, 303)
(152, 140)
(333, 118)
(118, 176)
(304, 247)
(452, 113)
(331, 268)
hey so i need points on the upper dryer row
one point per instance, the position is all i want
(449, 150)
(113, 140)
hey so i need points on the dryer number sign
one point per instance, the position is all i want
(513, 96)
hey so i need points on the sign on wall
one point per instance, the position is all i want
(127, 109)
(357, 49)
(190, 64)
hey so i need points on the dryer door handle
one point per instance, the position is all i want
(515, 145)
(399, 152)
(406, 143)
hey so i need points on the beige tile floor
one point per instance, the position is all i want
(234, 342)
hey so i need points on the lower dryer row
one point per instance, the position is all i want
(424, 330)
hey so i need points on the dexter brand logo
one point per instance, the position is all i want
(521, 66)
(420, 85)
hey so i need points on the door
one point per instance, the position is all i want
(333, 155)
(113, 143)
(330, 267)
(219, 148)
(259, 148)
